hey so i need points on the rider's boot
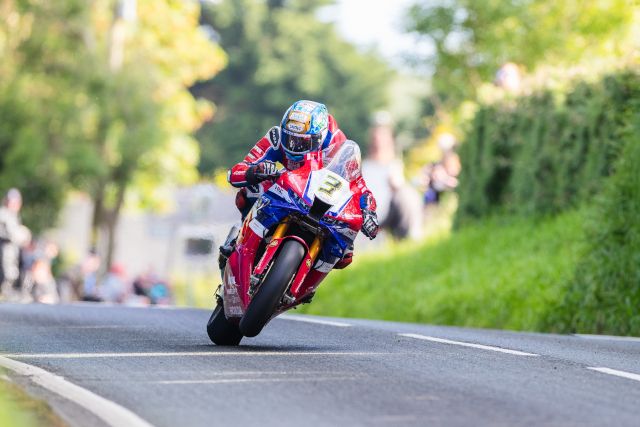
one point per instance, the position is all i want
(229, 245)
(346, 259)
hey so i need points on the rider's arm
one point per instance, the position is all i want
(367, 201)
(241, 174)
(368, 205)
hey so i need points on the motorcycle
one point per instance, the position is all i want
(294, 234)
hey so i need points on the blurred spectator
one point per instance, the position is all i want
(443, 175)
(89, 270)
(13, 236)
(44, 288)
(154, 289)
(509, 77)
(114, 288)
(404, 219)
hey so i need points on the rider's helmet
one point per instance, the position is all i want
(303, 128)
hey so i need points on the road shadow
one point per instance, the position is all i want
(254, 348)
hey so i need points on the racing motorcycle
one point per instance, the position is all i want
(305, 221)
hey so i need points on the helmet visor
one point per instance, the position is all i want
(299, 144)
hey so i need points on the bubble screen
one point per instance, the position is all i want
(345, 160)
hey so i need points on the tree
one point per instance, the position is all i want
(143, 111)
(278, 53)
(472, 39)
(41, 46)
(98, 103)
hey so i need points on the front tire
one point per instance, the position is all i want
(268, 296)
(220, 330)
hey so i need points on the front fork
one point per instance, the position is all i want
(310, 258)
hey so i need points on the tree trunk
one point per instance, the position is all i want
(98, 217)
(112, 222)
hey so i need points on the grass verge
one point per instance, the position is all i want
(503, 273)
(18, 409)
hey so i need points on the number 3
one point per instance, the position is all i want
(330, 185)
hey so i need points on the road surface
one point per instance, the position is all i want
(159, 367)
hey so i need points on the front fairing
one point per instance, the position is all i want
(291, 195)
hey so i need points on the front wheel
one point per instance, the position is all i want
(220, 330)
(270, 292)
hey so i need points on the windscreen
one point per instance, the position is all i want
(345, 160)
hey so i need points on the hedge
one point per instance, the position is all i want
(604, 294)
(545, 152)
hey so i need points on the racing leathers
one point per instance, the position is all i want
(259, 163)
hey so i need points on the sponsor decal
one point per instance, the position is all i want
(308, 263)
(296, 127)
(279, 191)
(235, 311)
(291, 165)
(299, 116)
(274, 136)
(238, 173)
(305, 106)
(273, 243)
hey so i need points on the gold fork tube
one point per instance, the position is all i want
(315, 248)
(281, 229)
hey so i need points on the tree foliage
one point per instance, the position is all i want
(81, 119)
(41, 49)
(280, 52)
(472, 39)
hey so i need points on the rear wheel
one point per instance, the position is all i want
(220, 330)
(268, 296)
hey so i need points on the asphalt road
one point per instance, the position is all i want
(159, 364)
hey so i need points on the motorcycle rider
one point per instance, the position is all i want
(306, 126)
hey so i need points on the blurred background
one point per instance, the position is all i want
(501, 142)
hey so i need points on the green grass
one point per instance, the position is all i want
(17, 409)
(502, 273)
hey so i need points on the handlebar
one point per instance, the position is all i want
(264, 177)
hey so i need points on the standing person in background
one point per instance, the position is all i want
(13, 236)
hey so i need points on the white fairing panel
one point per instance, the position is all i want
(330, 187)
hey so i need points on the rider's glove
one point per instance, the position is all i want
(369, 223)
(261, 172)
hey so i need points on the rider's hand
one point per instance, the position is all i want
(370, 223)
(262, 171)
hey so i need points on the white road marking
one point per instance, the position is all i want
(617, 373)
(608, 337)
(254, 380)
(184, 354)
(318, 321)
(467, 344)
(111, 413)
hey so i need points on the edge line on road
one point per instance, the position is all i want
(468, 344)
(110, 412)
(318, 321)
(607, 337)
(191, 354)
(615, 372)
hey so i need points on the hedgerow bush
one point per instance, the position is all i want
(604, 294)
(545, 152)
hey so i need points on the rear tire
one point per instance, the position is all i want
(220, 330)
(268, 296)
